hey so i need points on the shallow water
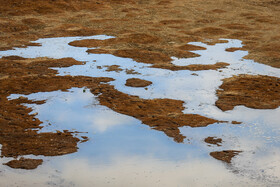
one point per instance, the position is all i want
(122, 151)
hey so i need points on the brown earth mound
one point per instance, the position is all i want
(135, 82)
(253, 91)
(24, 163)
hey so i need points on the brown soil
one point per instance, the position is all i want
(225, 156)
(161, 114)
(253, 91)
(155, 27)
(24, 163)
(213, 140)
(135, 82)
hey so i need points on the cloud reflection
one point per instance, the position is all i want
(135, 160)
(76, 109)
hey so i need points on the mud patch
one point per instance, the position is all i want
(24, 163)
(225, 156)
(213, 141)
(253, 91)
(135, 82)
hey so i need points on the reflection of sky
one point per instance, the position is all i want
(75, 110)
(120, 146)
(109, 131)
(131, 171)
(214, 53)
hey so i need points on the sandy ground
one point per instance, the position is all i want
(147, 31)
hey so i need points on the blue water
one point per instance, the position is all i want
(122, 151)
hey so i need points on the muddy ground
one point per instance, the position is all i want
(166, 24)
(146, 31)
(253, 91)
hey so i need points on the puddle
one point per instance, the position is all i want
(123, 152)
